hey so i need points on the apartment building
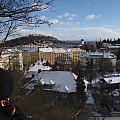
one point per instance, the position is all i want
(100, 60)
(4, 62)
(47, 54)
(31, 55)
(76, 52)
(7, 59)
(59, 54)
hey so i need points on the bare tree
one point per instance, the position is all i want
(16, 13)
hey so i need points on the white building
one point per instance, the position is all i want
(10, 58)
(112, 78)
(34, 69)
(61, 81)
(100, 60)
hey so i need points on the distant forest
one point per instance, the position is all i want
(112, 42)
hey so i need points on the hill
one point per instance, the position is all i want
(31, 39)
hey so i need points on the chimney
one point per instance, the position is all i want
(41, 59)
(33, 75)
(39, 70)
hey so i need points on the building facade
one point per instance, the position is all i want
(47, 54)
(11, 59)
(60, 54)
(99, 60)
(76, 52)
(31, 55)
(4, 62)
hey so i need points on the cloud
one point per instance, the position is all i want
(43, 17)
(95, 33)
(87, 33)
(54, 21)
(71, 19)
(69, 23)
(92, 17)
(108, 25)
(67, 14)
(73, 31)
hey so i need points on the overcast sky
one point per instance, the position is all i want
(81, 19)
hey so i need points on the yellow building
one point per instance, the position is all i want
(29, 56)
(51, 54)
(59, 54)
(26, 58)
(34, 56)
(76, 52)
(46, 54)
(68, 56)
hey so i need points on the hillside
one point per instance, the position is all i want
(31, 39)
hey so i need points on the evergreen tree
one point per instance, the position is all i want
(108, 40)
(104, 41)
(118, 54)
(90, 72)
(47, 63)
(118, 41)
(80, 87)
(114, 41)
(55, 66)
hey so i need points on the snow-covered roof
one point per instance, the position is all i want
(90, 99)
(58, 50)
(75, 76)
(98, 55)
(114, 46)
(10, 49)
(39, 67)
(69, 50)
(63, 81)
(6, 55)
(98, 116)
(28, 49)
(39, 62)
(46, 49)
(112, 80)
(115, 74)
(34, 68)
(111, 118)
(76, 49)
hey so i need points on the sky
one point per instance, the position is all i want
(81, 19)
